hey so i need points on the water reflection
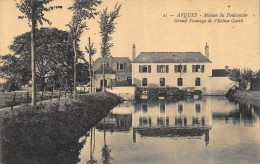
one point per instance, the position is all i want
(92, 159)
(162, 123)
(205, 130)
(245, 114)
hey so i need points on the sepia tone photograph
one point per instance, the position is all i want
(129, 81)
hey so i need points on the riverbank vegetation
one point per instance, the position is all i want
(245, 79)
(50, 132)
(247, 86)
(251, 97)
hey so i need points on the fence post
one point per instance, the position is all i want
(13, 101)
(27, 101)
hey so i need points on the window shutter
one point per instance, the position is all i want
(184, 69)
(117, 66)
(149, 68)
(193, 68)
(167, 68)
(140, 68)
(202, 68)
(158, 68)
(175, 68)
(124, 65)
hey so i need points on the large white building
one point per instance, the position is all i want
(185, 70)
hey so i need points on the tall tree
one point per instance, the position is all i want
(34, 10)
(91, 51)
(54, 60)
(82, 9)
(107, 27)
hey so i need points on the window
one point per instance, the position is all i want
(197, 107)
(150, 121)
(180, 68)
(144, 68)
(162, 68)
(197, 82)
(198, 68)
(101, 83)
(129, 80)
(144, 82)
(167, 121)
(162, 82)
(160, 121)
(162, 108)
(143, 121)
(121, 66)
(144, 108)
(178, 121)
(179, 81)
(180, 108)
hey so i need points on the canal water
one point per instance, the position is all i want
(209, 130)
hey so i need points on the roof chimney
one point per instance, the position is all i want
(134, 52)
(226, 68)
(207, 51)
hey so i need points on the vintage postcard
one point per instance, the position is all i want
(129, 81)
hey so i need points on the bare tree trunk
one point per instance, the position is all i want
(90, 69)
(33, 103)
(75, 69)
(104, 78)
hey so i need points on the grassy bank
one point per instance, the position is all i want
(251, 97)
(6, 98)
(50, 133)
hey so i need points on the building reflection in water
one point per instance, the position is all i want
(168, 119)
(162, 119)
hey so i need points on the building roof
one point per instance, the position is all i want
(171, 57)
(122, 59)
(115, 59)
(108, 70)
(219, 73)
(110, 60)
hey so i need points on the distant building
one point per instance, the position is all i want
(121, 67)
(185, 70)
(110, 76)
(221, 72)
(220, 82)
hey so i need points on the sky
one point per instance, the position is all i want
(141, 22)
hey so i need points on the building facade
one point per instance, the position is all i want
(121, 67)
(220, 82)
(185, 70)
(110, 76)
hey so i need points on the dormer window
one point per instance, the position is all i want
(121, 66)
